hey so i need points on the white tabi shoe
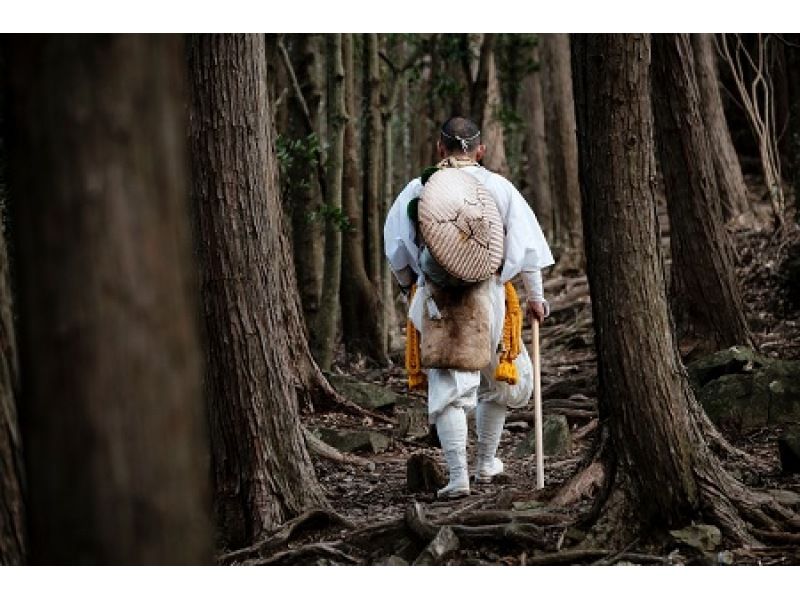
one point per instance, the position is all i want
(451, 425)
(489, 419)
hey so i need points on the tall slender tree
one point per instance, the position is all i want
(111, 406)
(537, 174)
(323, 339)
(361, 335)
(728, 172)
(660, 462)
(705, 294)
(261, 469)
(562, 143)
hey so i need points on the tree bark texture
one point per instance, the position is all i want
(360, 301)
(306, 199)
(658, 431)
(793, 85)
(373, 134)
(641, 380)
(261, 469)
(561, 140)
(706, 300)
(323, 336)
(111, 407)
(730, 182)
(12, 504)
(537, 173)
(492, 133)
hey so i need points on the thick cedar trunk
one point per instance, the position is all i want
(302, 186)
(262, 472)
(730, 182)
(706, 302)
(668, 474)
(12, 505)
(111, 408)
(360, 301)
(641, 384)
(537, 172)
(492, 133)
(323, 337)
(561, 140)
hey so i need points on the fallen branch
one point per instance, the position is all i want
(320, 549)
(570, 557)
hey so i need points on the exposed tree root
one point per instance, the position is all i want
(326, 451)
(584, 555)
(327, 550)
(584, 483)
(313, 519)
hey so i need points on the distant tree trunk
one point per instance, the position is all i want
(302, 186)
(12, 504)
(537, 173)
(262, 472)
(730, 182)
(705, 295)
(660, 462)
(111, 407)
(562, 144)
(793, 84)
(373, 149)
(360, 300)
(323, 340)
(492, 133)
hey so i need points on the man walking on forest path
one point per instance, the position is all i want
(456, 242)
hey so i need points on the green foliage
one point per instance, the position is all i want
(327, 213)
(428, 173)
(297, 156)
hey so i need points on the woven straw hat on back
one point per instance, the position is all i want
(461, 225)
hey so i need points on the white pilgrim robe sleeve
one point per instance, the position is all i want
(525, 245)
(399, 232)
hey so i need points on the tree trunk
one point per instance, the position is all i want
(706, 302)
(561, 140)
(323, 339)
(373, 148)
(262, 472)
(793, 84)
(730, 182)
(492, 133)
(360, 301)
(302, 186)
(112, 409)
(668, 476)
(12, 504)
(537, 173)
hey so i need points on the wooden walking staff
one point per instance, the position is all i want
(537, 404)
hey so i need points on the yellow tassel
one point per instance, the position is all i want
(506, 371)
(416, 377)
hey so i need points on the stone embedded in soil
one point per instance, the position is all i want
(742, 390)
(445, 543)
(412, 417)
(556, 438)
(527, 505)
(424, 474)
(349, 441)
(365, 394)
(789, 449)
(701, 536)
(517, 426)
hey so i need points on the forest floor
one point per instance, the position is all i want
(509, 521)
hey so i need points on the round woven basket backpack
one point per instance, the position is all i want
(460, 225)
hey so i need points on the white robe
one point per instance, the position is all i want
(525, 248)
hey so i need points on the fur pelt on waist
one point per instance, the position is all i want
(461, 338)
